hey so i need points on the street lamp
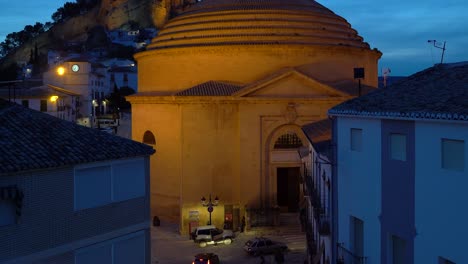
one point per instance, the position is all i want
(60, 70)
(210, 204)
(54, 99)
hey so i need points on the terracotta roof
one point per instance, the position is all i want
(319, 134)
(211, 88)
(31, 140)
(439, 92)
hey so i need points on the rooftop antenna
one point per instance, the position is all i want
(385, 73)
(437, 45)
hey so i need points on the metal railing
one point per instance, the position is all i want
(345, 256)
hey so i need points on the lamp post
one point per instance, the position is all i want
(210, 204)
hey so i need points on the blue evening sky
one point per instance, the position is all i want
(398, 28)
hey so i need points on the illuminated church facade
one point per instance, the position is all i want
(223, 92)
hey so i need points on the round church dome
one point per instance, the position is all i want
(242, 41)
(254, 22)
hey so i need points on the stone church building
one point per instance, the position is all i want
(223, 92)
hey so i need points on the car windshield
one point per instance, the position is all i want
(204, 232)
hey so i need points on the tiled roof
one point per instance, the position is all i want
(211, 88)
(31, 140)
(439, 92)
(319, 134)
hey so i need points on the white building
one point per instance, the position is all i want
(316, 173)
(70, 194)
(93, 82)
(402, 171)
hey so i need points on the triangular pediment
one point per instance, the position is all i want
(288, 83)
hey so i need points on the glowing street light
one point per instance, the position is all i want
(60, 70)
(54, 98)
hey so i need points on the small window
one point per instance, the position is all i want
(445, 261)
(398, 250)
(25, 103)
(148, 138)
(288, 141)
(453, 154)
(92, 187)
(357, 236)
(398, 147)
(43, 106)
(7, 212)
(356, 139)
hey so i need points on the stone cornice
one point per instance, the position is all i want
(151, 99)
(302, 49)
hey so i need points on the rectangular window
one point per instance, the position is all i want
(453, 154)
(7, 212)
(129, 248)
(43, 106)
(25, 103)
(398, 147)
(398, 250)
(357, 236)
(92, 187)
(445, 261)
(118, 181)
(128, 180)
(356, 139)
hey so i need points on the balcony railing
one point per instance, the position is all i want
(345, 256)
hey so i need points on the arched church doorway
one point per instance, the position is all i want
(288, 188)
(285, 166)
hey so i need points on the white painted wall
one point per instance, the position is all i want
(441, 196)
(359, 181)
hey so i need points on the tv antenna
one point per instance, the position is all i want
(437, 45)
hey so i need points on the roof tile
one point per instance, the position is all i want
(31, 140)
(439, 92)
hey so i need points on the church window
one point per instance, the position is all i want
(148, 138)
(288, 141)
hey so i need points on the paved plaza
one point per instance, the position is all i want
(169, 247)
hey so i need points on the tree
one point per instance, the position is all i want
(117, 98)
(10, 72)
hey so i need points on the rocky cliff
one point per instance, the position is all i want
(111, 14)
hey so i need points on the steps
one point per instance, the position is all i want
(290, 229)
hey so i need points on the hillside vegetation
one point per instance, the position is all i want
(110, 14)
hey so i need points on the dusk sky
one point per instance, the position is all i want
(400, 29)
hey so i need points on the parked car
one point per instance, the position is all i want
(206, 258)
(263, 246)
(210, 235)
